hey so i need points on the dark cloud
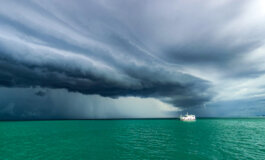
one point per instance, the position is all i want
(106, 58)
(176, 51)
(183, 92)
(40, 93)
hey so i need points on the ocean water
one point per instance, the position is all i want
(133, 139)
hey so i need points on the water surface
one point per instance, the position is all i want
(133, 139)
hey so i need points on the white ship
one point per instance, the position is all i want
(187, 117)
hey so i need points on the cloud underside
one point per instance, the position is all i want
(188, 93)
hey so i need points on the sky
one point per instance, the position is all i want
(131, 59)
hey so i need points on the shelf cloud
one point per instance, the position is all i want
(185, 54)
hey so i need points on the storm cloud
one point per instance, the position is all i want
(188, 54)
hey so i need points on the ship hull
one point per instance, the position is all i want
(187, 119)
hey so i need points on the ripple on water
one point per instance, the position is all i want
(134, 139)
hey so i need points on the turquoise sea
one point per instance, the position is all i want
(133, 139)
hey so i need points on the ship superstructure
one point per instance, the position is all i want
(187, 117)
